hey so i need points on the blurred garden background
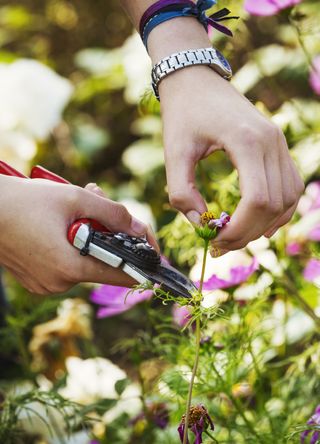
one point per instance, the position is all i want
(75, 98)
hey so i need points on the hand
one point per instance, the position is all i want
(35, 215)
(203, 113)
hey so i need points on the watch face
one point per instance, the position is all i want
(224, 61)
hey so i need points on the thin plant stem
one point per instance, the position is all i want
(196, 359)
(210, 436)
(238, 408)
(301, 301)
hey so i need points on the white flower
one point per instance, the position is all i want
(265, 256)
(137, 67)
(251, 291)
(214, 298)
(32, 98)
(91, 379)
(300, 230)
(129, 403)
(17, 149)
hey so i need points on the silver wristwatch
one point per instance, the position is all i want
(204, 56)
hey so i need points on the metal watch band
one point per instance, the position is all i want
(204, 56)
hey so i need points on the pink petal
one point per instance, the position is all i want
(181, 315)
(314, 234)
(312, 270)
(268, 7)
(115, 300)
(293, 248)
(238, 275)
(261, 7)
(315, 75)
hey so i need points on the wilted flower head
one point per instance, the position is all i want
(268, 7)
(199, 421)
(314, 421)
(115, 300)
(210, 226)
(156, 413)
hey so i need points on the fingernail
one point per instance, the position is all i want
(138, 227)
(216, 251)
(271, 233)
(193, 217)
(98, 190)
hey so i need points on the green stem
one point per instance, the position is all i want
(301, 301)
(196, 359)
(236, 404)
(210, 436)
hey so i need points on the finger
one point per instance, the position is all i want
(94, 188)
(292, 184)
(93, 270)
(113, 215)
(251, 218)
(183, 194)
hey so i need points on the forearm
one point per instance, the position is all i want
(174, 35)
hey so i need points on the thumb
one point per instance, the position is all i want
(109, 213)
(183, 194)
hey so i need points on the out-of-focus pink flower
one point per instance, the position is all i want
(315, 75)
(237, 276)
(312, 270)
(293, 249)
(310, 200)
(181, 315)
(115, 300)
(268, 7)
(314, 234)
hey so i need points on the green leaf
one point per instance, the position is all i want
(121, 385)
(100, 407)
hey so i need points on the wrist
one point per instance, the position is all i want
(178, 34)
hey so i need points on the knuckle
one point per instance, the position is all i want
(119, 212)
(249, 135)
(275, 207)
(177, 199)
(73, 197)
(259, 201)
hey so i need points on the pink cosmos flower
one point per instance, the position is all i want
(293, 249)
(115, 300)
(315, 75)
(312, 270)
(237, 276)
(181, 315)
(268, 7)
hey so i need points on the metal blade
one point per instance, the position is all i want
(169, 278)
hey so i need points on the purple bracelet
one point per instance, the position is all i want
(164, 10)
(160, 6)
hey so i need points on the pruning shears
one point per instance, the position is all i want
(134, 255)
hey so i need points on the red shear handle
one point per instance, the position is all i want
(38, 172)
(73, 229)
(8, 170)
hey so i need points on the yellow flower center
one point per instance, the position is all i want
(206, 217)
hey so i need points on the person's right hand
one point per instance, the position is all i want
(35, 215)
